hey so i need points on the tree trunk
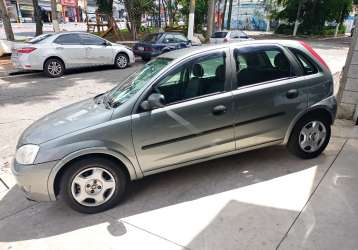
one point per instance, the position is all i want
(210, 21)
(223, 21)
(160, 18)
(297, 18)
(55, 24)
(191, 20)
(228, 22)
(37, 15)
(6, 21)
(170, 13)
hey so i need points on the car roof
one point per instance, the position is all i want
(183, 53)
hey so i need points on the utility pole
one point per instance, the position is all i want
(191, 20)
(6, 21)
(55, 24)
(210, 23)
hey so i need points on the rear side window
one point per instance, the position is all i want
(68, 39)
(257, 65)
(306, 64)
(91, 40)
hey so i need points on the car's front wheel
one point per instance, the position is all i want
(310, 136)
(54, 67)
(93, 185)
(122, 61)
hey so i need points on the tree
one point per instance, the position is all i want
(210, 18)
(37, 15)
(6, 21)
(223, 22)
(135, 10)
(228, 22)
(312, 15)
(201, 11)
(56, 25)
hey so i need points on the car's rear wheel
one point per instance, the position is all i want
(93, 185)
(310, 136)
(122, 61)
(54, 67)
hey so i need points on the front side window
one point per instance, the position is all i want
(194, 79)
(256, 65)
(136, 81)
(68, 39)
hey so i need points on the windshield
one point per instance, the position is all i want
(136, 81)
(39, 38)
(151, 38)
(219, 35)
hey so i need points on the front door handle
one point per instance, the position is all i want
(292, 93)
(219, 110)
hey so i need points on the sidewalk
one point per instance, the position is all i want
(264, 199)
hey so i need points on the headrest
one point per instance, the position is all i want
(220, 72)
(281, 61)
(198, 70)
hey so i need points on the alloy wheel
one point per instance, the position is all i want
(122, 61)
(312, 136)
(93, 186)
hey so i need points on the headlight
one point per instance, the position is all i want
(27, 154)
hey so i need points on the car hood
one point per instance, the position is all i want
(66, 120)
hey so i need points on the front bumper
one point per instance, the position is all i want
(33, 180)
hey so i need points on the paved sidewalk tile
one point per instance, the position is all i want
(330, 219)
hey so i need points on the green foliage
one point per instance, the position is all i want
(105, 6)
(201, 9)
(314, 13)
(286, 29)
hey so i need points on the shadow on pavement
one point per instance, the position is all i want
(42, 220)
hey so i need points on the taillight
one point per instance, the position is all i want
(148, 49)
(25, 50)
(314, 53)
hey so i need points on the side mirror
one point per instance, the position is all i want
(154, 101)
(188, 42)
(105, 43)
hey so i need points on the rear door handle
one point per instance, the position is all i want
(219, 110)
(292, 93)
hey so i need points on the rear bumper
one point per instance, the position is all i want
(33, 180)
(26, 62)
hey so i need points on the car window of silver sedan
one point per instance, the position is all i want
(136, 81)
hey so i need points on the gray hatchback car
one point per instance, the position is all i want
(184, 107)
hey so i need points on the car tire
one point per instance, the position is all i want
(54, 67)
(146, 58)
(310, 136)
(121, 61)
(93, 185)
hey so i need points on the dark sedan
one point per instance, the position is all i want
(158, 43)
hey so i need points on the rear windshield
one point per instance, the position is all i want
(151, 38)
(219, 34)
(39, 38)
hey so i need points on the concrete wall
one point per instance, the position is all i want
(348, 92)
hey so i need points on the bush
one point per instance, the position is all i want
(287, 29)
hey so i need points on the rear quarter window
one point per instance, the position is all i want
(307, 65)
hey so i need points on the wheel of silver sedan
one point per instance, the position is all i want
(54, 68)
(121, 61)
(93, 186)
(312, 136)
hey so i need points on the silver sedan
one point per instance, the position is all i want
(54, 53)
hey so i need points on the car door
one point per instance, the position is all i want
(197, 120)
(98, 51)
(269, 92)
(69, 48)
(169, 42)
